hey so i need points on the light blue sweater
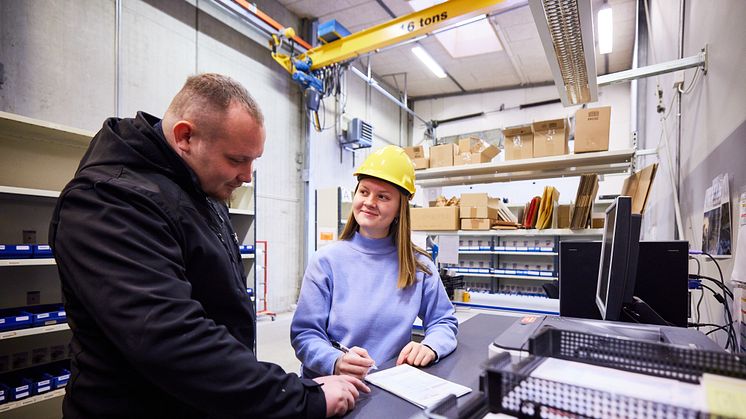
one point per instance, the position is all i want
(349, 294)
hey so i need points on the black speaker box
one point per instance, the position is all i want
(662, 279)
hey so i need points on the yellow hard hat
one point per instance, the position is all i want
(391, 164)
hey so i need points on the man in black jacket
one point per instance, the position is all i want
(151, 275)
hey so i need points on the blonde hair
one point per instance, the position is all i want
(406, 250)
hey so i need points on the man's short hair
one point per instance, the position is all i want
(214, 91)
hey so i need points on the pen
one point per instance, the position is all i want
(338, 346)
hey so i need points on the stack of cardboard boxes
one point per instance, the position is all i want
(469, 150)
(550, 138)
(477, 211)
(417, 155)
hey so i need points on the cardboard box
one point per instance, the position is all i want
(475, 200)
(597, 223)
(478, 212)
(563, 216)
(435, 218)
(519, 142)
(485, 156)
(415, 152)
(550, 138)
(476, 224)
(469, 145)
(592, 129)
(421, 163)
(442, 155)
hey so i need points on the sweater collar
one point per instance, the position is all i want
(373, 246)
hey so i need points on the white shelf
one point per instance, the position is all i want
(27, 262)
(504, 252)
(512, 303)
(10, 334)
(531, 277)
(12, 190)
(247, 256)
(238, 211)
(523, 232)
(603, 162)
(31, 400)
(29, 129)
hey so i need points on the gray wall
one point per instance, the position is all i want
(713, 115)
(58, 62)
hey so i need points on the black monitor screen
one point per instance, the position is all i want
(618, 265)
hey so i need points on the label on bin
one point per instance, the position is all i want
(42, 315)
(23, 247)
(63, 377)
(19, 395)
(43, 389)
(43, 383)
(22, 318)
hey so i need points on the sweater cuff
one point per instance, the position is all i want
(315, 400)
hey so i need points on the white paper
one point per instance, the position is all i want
(415, 385)
(626, 383)
(739, 265)
(447, 249)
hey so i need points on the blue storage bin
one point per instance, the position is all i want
(46, 314)
(20, 387)
(41, 383)
(245, 249)
(60, 377)
(15, 251)
(4, 393)
(42, 251)
(13, 318)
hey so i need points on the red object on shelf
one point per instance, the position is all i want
(264, 311)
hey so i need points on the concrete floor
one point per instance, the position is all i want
(273, 342)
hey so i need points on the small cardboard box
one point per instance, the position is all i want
(475, 200)
(435, 218)
(442, 155)
(485, 156)
(592, 129)
(476, 224)
(469, 145)
(478, 212)
(550, 138)
(415, 152)
(421, 163)
(519, 142)
(597, 223)
(563, 216)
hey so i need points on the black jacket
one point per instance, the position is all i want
(155, 292)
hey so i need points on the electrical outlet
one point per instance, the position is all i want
(29, 236)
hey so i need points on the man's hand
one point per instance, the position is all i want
(356, 363)
(416, 354)
(340, 392)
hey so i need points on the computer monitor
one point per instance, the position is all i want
(619, 251)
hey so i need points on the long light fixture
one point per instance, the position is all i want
(566, 32)
(605, 31)
(429, 62)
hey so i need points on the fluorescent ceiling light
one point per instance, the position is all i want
(429, 62)
(473, 36)
(566, 31)
(605, 31)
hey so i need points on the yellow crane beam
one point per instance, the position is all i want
(393, 32)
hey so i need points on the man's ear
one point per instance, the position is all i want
(183, 131)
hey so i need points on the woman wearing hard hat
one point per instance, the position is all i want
(364, 291)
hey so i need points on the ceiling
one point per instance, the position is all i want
(521, 62)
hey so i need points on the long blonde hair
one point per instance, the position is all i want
(406, 250)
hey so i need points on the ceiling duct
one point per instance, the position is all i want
(566, 32)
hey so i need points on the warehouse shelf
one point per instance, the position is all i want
(511, 303)
(12, 190)
(521, 232)
(491, 275)
(31, 400)
(505, 252)
(237, 211)
(28, 262)
(603, 162)
(10, 334)
(22, 128)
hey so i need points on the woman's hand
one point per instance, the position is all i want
(416, 354)
(356, 363)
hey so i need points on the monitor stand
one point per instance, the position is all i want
(515, 338)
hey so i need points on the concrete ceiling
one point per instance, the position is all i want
(522, 61)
